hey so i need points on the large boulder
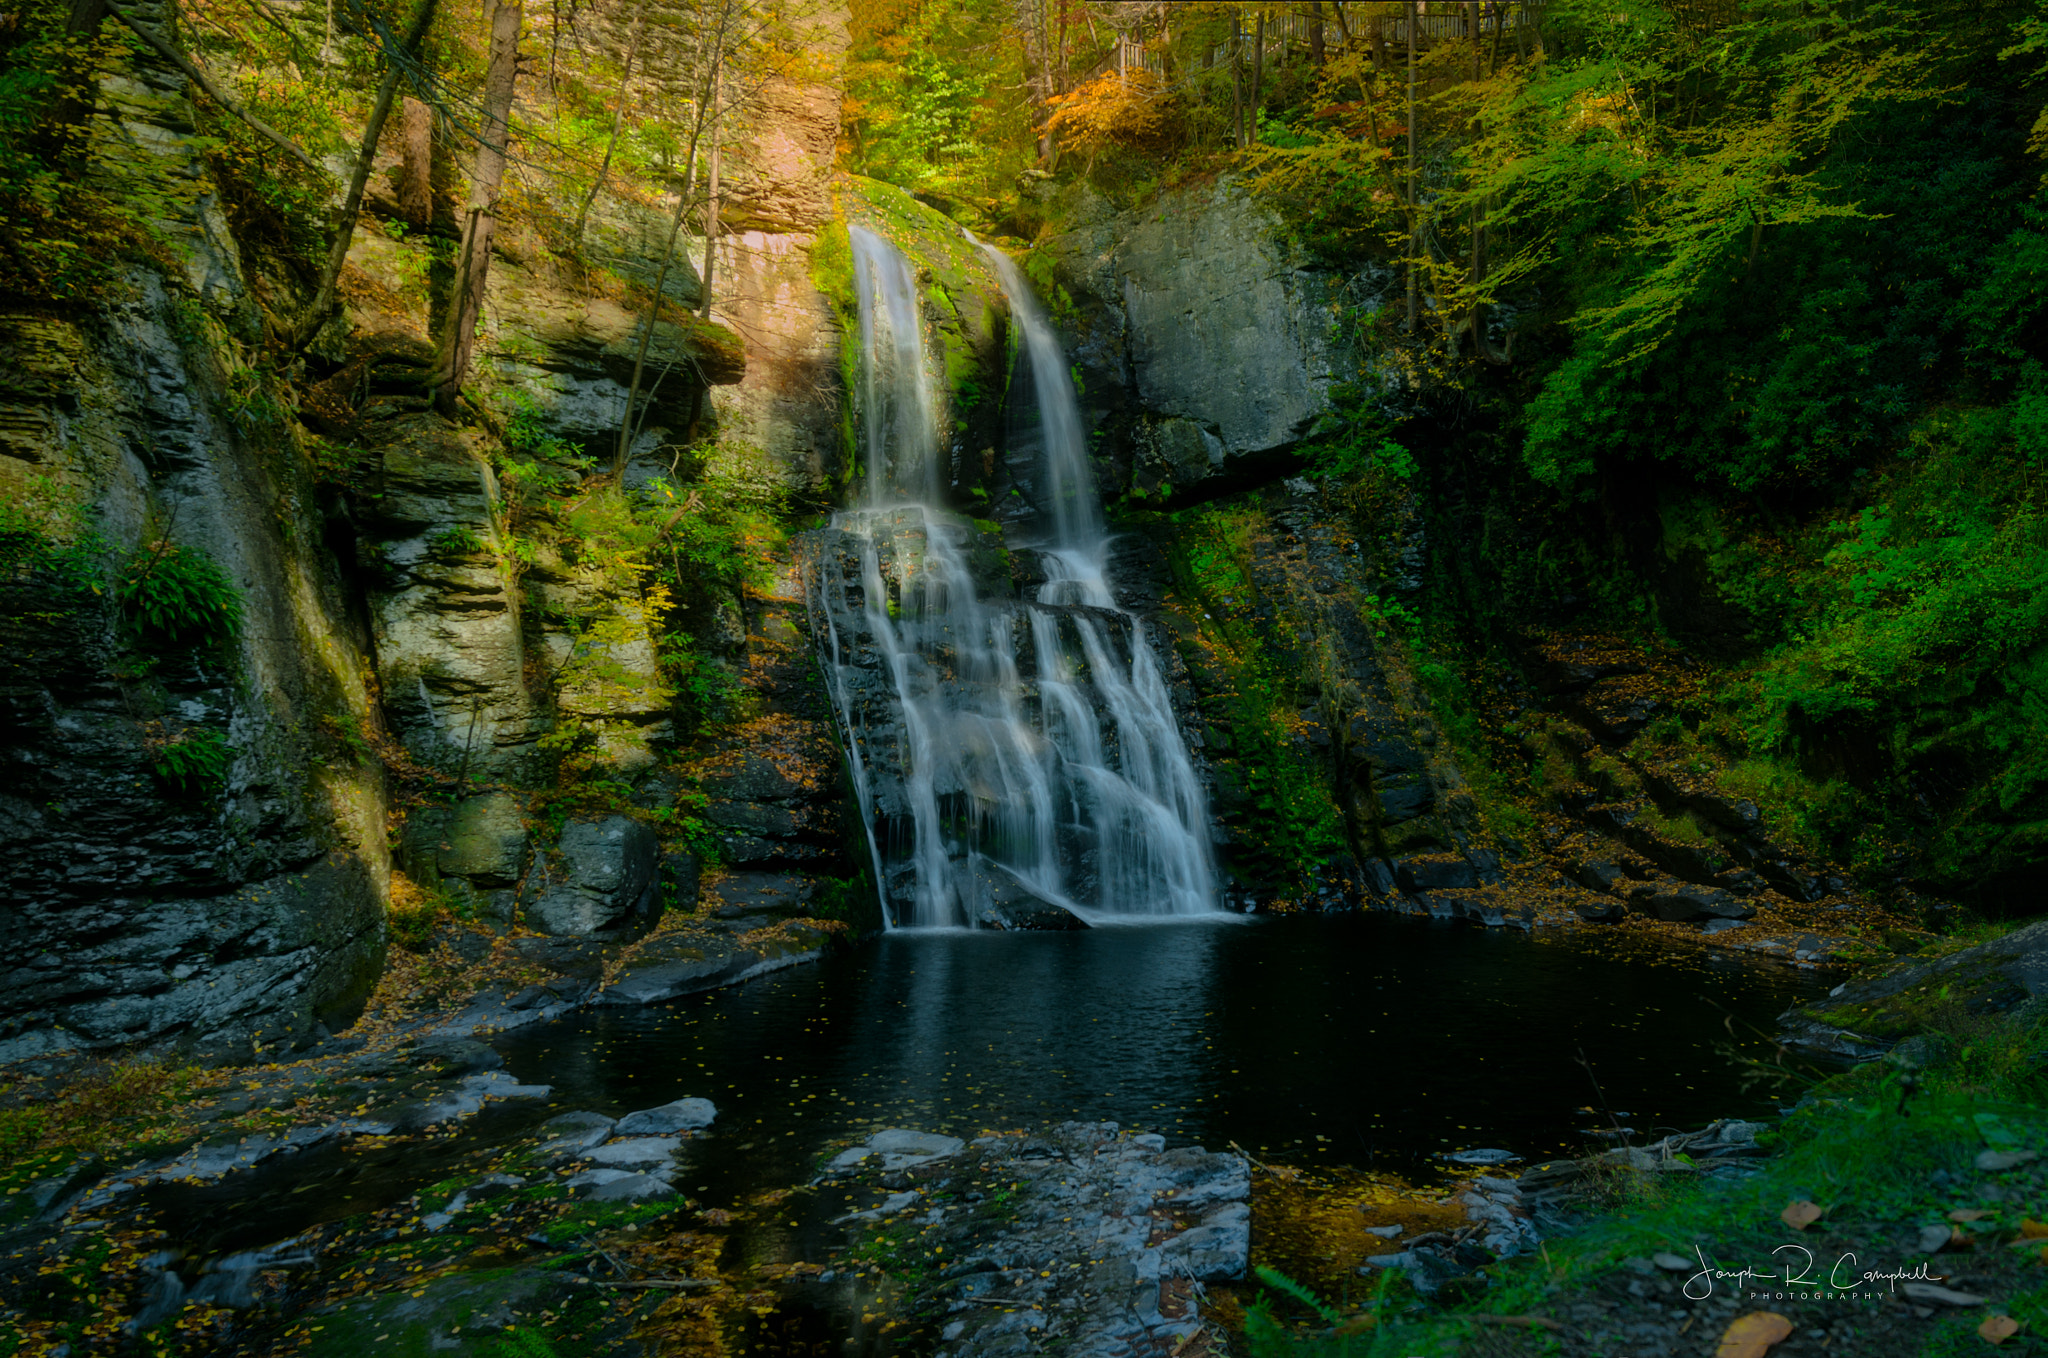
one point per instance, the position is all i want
(601, 880)
(1683, 901)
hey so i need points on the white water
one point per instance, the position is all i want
(1029, 749)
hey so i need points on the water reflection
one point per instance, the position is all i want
(1360, 1040)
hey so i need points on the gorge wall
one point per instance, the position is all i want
(478, 689)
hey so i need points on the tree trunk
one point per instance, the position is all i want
(323, 306)
(1315, 33)
(1414, 203)
(675, 229)
(618, 121)
(77, 93)
(1236, 87)
(416, 167)
(1251, 122)
(473, 263)
(1478, 46)
(711, 197)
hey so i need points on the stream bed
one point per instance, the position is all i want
(1338, 1044)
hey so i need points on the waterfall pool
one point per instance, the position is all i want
(1336, 1043)
(1357, 1040)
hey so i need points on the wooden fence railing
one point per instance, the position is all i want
(1292, 31)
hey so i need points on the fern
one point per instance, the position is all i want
(194, 763)
(178, 594)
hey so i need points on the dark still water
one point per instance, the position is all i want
(1354, 1040)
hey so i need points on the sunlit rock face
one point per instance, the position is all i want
(1206, 339)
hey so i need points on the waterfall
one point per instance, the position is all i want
(1016, 760)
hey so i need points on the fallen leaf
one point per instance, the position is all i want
(1798, 1215)
(1940, 1295)
(1968, 1214)
(1998, 1329)
(1752, 1335)
(1993, 1161)
(2031, 1229)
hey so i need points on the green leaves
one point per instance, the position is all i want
(176, 594)
(193, 763)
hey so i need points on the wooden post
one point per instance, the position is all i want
(1414, 200)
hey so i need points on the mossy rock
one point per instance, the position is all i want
(1989, 978)
(968, 339)
(482, 1312)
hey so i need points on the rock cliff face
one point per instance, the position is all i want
(1337, 746)
(1206, 350)
(145, 905)
(1205, 341)
(401, 606)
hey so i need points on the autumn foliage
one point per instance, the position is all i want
(1117, 108)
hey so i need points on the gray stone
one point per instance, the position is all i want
(1921, 1051)
(634, 1152)
(632, 1188)
(1218, 1250)
(574, 1133)
(1682, 901)
(497, 1084)
(684, 1115)
(485, 840)
(607, 879)
(1436, 874)
(897, 1148)
(1596, 874)
(1226, 330)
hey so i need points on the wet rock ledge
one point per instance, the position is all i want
(1081, 1239)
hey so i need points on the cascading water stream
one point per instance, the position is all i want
(1016, 760)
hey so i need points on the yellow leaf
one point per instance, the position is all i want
(2033, 1230)
(1798, 1215)
(1752, 1335)
(1998, 1329)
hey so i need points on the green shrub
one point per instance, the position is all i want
(177, 595)
(458, 540)
(193, 763)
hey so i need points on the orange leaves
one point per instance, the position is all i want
(1751, 1336)
(1800, 1215)
(1115, 108)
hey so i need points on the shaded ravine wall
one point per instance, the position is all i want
(134, 914)
(382, 617)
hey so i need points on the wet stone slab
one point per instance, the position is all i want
(1080, 1239)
